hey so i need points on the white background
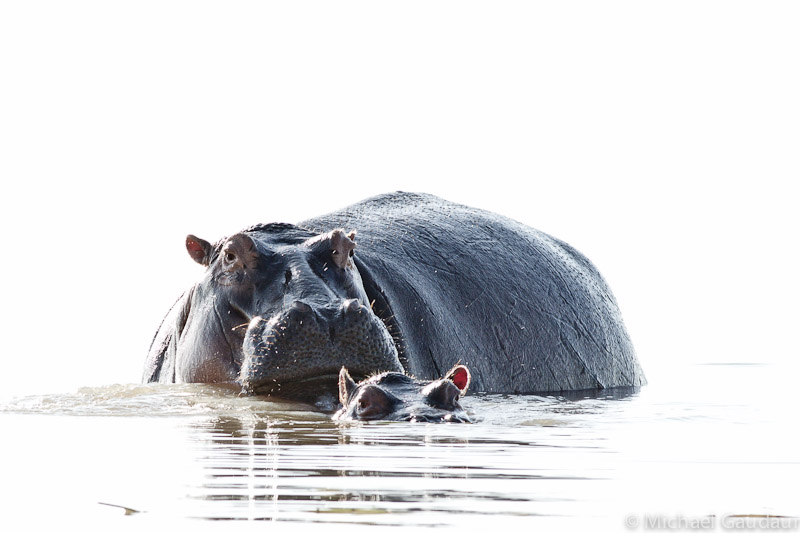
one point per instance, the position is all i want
(661, 139)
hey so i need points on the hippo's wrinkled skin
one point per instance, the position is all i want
(278, 310)
(283, 307)
(396, 396)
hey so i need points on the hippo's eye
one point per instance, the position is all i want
(230, 257)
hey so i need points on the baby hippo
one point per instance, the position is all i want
(396, 396)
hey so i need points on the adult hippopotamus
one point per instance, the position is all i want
(282, 308)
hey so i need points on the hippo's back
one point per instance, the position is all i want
(525, 311)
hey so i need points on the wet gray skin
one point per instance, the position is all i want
(278, 312)
(397, 396)
(282, 307)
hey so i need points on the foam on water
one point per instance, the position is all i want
(151, 400)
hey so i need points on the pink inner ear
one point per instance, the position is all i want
(460, 378)
(196, 250)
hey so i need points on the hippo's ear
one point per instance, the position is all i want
(461, 377)
(199, 249)
(346, 386)
(342, 246)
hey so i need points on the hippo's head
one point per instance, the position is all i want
(396, 396)
(279, 310)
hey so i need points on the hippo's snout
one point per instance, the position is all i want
(351, 306)
(305, 342)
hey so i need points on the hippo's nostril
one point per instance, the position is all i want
(255, 322)
(301, 306)
(351, 306)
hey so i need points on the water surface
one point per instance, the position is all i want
(678, 447)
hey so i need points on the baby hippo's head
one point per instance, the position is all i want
(396, 396)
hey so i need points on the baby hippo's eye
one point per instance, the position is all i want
(230, 257)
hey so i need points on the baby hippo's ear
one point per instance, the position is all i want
(346, 386)
(461, 377)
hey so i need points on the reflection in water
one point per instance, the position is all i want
(309, 469)
(199, 451)
(283, 470)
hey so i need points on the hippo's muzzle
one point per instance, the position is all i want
(302, 344)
